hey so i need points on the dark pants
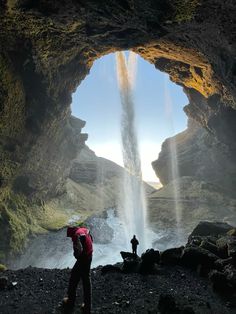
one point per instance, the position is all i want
(81, 270)
(134, 249)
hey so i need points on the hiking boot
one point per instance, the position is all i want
(68, 302)
(85, 309)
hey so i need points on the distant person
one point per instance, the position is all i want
(83, 250)
(134, 243)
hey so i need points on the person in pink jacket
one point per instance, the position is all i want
(83, 250)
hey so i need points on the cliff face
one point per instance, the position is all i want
(51, 46)
(199, 155)
(48, 48)
(40, 174)
(95, 184)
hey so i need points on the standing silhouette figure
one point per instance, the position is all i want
(134, 243)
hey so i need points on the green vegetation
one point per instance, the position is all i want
(184, 10)
(2, 268)
(16, 221)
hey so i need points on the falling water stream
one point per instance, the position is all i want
(133, 202)
(174, 167)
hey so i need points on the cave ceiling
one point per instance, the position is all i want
(48, 48)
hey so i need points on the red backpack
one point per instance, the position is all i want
(82, 241)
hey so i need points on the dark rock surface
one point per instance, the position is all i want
(41, 291)
(88, 168)
(205, 228)
(196, 201)
(138, 285)
(171, 256)
(199, 155)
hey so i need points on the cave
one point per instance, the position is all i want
(48, 49)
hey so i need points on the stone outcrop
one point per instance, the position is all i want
(88, 168)
(199, 155)
(197, 200)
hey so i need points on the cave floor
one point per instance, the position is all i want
(41, 290)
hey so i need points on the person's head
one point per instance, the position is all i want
(134, 236)
(71, 231)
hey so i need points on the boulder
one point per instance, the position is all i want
(151, 256)
(207, 245)
(148, 261)
(110, 269)
(127, 254)
(232, 248)
(222, 246)
(221, 263)
(193, 256)
(232, 232)
(131, 262)
(172, 256)
(206, 228)
(3, 282)
(131, 265)
(219, 281)
(230, 272)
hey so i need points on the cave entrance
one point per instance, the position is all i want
(158, 109)
(97, 101)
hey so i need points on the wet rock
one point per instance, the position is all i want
(110, 269)
(232, 248)
(127, 254)
(219, 281)
(3, 282)
(130, 262)
(230, 273)
(222, 246)
(206, 228)
(171, 256)
(130, 265)
(232, 232)
(207, 245)
(221, 263)
(151, 256)
(148, 261)
(194, 256)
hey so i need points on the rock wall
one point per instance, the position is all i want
(200, 155)
(51, 46)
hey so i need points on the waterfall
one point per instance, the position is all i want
(174, 167)
(133, 198)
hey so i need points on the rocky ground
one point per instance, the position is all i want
(199, 278)
(171, 290)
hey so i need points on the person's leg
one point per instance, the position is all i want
(86, 279)
(73, 282)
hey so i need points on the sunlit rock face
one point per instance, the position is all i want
(48, 48)
(200, 155)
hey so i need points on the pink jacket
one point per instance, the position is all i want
(82, 241)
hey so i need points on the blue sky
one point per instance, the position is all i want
(97, 101)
